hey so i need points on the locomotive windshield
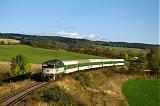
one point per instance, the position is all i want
(48, 66)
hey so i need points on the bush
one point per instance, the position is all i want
(9, 43)
(136, 66)
(53, 94)
(2, 43)
(83, 78)
(115, 68)
(1, 82)
(58, 97)
(124, 68)
(19, 66)
(108, 72)
(133, 68)
(120, 69)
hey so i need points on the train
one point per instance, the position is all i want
(52, 69)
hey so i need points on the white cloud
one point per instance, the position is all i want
(76, 35)
(68, 34)
(90, 37)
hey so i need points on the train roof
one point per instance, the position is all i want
(52, 62)
(67, 62)
(92, 60)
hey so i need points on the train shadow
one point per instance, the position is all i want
(34, 77)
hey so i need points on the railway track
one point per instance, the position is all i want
(15, 97)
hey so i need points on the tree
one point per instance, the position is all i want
(142, 58)
(124, 55)
(115, 68)
(154, 60)
(19, 65)
(114, 53)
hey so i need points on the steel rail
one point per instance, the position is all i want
(15, 97)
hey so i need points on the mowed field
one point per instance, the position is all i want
(142, 92)
(11, 41)
(38, 55)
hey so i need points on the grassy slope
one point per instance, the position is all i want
(38, 55)
(142, 92)
(104, 89)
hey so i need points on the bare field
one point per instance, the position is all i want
(5, 67)
(10, 41)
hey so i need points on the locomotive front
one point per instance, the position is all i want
(52, 68)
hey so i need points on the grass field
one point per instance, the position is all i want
(38, 55)
(142, 92)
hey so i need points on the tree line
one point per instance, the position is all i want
(73, 42)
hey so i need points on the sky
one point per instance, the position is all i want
(135, 21)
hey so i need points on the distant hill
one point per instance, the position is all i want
(63, 42)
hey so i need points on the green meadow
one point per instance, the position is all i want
(142, 92)
(38, 55)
